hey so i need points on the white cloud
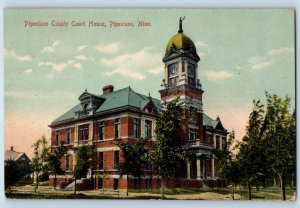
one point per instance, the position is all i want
(157, 70)
(280, 51)
(80, 48)
(9, 53)
(109, 48)
(28, 71)
(136, 63)
(262, 65)
(51, 49)
(218, 76)
(61, 66)
(126, 73)
(200, 43)
(259, 62)
(81, 57)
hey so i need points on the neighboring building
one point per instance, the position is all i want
(99, 119)
(19, 157)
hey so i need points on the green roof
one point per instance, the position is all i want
(125, 97)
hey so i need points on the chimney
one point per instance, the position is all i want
(107, 89)
(11, 148)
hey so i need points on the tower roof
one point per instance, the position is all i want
(180, 40)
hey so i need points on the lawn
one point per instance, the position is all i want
(47, 192)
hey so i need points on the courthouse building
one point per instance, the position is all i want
(101, 117)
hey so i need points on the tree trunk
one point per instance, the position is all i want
(55, 181)
(36, 181)
(75, 187)
(233, 192)
(162, 188)
(282, 185)
(249, 191)
(127, 187)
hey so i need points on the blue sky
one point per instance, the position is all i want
(243, 53)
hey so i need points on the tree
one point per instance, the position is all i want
(54, 163)
(83, 163)
(135, 159)
(12, 174)
(229, 168)
(251, 157)
(38, 163)
(280, 138)
(166, 155)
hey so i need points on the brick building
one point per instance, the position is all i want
(98, 119)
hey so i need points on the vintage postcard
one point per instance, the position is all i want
(150, 104)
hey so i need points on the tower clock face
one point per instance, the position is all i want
(191, 70)
(173, 69)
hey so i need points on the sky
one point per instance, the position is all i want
(244, 52)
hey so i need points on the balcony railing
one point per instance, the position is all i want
(198, 143)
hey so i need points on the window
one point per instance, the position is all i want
(84, 132)
(68, 136)
(116, 184)
(56, 137)
(148, 129)
(67, 163)
(116, 158)
(117, 128)
(100, 183)
(210, 139)
(136, 128)
(193, 114)
(217, 142)
(193, 134)
(101, 131)
(224, 143)
(101, 161)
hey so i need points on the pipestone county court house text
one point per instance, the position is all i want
(98, 119)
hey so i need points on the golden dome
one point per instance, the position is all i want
(180, 41)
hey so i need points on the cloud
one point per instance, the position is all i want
(31, 94)
(218, 76)
(126, 73)
(80, 48)
(259, 62)
(81, 57)
(51, 49)
(12, 54)
(136, 63)
(200, 43)
(109, 48)
(28, 71)
(157, 70)
(280, 51)
(61, 66)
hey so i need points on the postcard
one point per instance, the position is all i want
(150, 104)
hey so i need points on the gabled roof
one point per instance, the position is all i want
(215, 124)
(13, 155)
(125, 97)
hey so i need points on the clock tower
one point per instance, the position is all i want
(181, 80)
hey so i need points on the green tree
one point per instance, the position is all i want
(38, 164)
(251, 157)
(54, 163)
(229, 169)
(83, 163)
(166, 155)
(280, 138)
(134, 159)
(12, 174)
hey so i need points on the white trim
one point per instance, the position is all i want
(64, 127)
(106, 149)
